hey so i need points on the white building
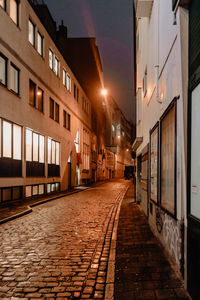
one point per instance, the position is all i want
(160, 145)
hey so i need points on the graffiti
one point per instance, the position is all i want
(159, 219)
(172, 237)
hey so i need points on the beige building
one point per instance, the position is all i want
(45, 115)
(160, 145)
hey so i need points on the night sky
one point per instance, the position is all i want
(111, 22)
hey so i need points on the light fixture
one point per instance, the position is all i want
(39, 93)
(104, 92)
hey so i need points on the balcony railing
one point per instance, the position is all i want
(143, 8)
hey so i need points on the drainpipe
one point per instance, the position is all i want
(157, 85)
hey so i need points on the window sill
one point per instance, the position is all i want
(36, 108)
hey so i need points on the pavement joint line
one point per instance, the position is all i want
(29, 207)
(110, 279)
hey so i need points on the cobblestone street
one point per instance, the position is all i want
(61, 249)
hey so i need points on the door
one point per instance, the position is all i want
(193, 236)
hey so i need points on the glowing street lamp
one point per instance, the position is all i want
(104, 92)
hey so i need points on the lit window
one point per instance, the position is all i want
(35, 147)
(68, 83)
(86, 151)
(29, 145)
(7, 136)
(14, 79)
(51, 59)
(17, 142)
(41, 189)
(3, 70)
(35, 190)
(56, 66)
(41, 149)
(14, 11)
(53, 157)
(31, 33)
(40, 44)
(57, 154)
(64, 77)
(49, 151)
(40, 94)
(28, 191)
(32, 93)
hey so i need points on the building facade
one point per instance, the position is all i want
(45, 115)
(161, 140)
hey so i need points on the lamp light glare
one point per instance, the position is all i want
(104, 92)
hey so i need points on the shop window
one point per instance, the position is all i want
(17, 142)
(14, 79)
(14, 11)
(154, 163)
(7, 139)
(53, 187)
(31, 32)
(35, 151)
(3, 69)
(168, 167)
(53, 158)
(34, 190)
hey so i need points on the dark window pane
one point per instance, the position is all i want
(40, 99)
(64, 119)
(69, 121)
(32, 93)
(57, 113)
(51, 109)
(3, 70)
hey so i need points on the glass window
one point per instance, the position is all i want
(32, 93)
(51, 59)
(51, 108)
(57, 154)
(29, 145)
(28, 191)
(41, 153)
(41, 189)
(40, 94)
(49, 151)
(35, 146)
(56, 66)
(64, 119)
(68, 83)
(31, 33)
(7, 139)
(57, 112)
(154, 164)
(68, 121)
(57, 186)
(14, 79)
(17, 142)
(168, 161)
(3, 70)
(64, 77)
(14, 10)
(16, 193)
(53, 145)
(40, 44)
(6, 194)
(35, 189)
(49, 188)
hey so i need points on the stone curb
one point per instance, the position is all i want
(110, 279)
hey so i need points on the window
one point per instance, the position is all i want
(66, 120)
(76, 92)
(56, 112)
(53, 187)
(11, 140)
(34, 190)
(31, 33)
(51, 108)
(154, 163)
(3, 70)
(14, 79)
(32, 93)
(53, 158)
(145, 83)
(85, 105)
(56, 66)
(139, 98)
(66, 80)
(86, 150)
(40, 95)
(34, 146)
(40, 44)
(168, 143)
(3, 3)
(51, 59)
(14, 11)
(77, 142)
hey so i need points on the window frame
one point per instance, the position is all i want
(6, 70)
(35, 88)
(57, 112)
(53, 114)
(52, 61)
(172, 105)
(12, 65)
(34, 30)
(42, 44)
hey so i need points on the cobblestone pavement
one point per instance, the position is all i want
(142, 271)
(61, 249)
